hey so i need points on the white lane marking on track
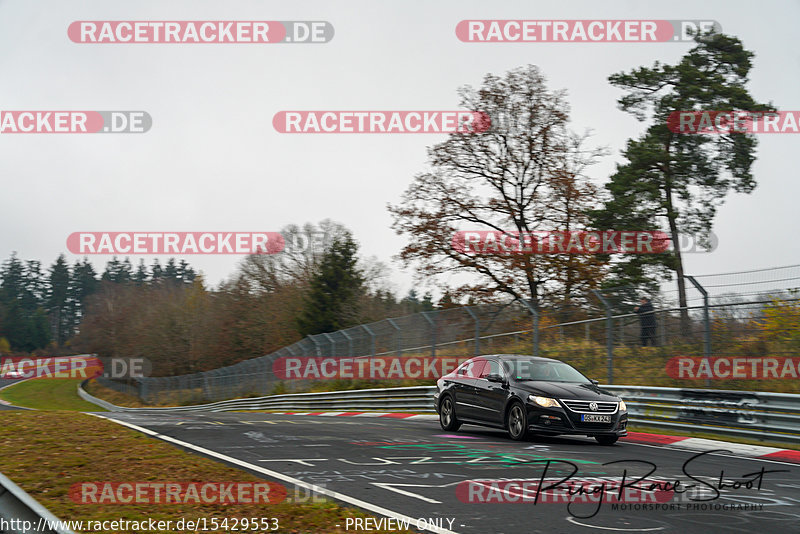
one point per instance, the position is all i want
(721, 447)
(700, 444)
(572, 520)
(301, 461)
(391, 486)
(280, 476)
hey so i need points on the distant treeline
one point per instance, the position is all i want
(168, 314)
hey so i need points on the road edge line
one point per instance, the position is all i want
(280, 476)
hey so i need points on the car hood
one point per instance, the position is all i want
(565, 390)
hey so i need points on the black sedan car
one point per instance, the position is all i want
(528, 394)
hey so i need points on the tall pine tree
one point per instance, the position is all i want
(673, 181)
(332, 300)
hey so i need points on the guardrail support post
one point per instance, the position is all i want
(609, 337)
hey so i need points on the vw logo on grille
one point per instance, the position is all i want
(593, 406)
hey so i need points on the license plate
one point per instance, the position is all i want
(591, 418)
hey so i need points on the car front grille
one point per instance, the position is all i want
(581, 406)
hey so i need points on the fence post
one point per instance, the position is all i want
(609, 337)
(372, 336)
(397, 329)
(316, 346)
(535, 331)
(433, 332)
(332, 342)
(706, 322)
(374, 348)
(477, 330)
(349, 342)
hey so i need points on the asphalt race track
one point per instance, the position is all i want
(5, 382)
(412, 469)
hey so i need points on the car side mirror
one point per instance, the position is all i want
(495, 378)
(595, 382)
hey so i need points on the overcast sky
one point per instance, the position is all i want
(212, 160)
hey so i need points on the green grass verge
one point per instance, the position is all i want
(45, 453)
(48, 394)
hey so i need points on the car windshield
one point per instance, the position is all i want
(522, 369)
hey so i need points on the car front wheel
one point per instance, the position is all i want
(517, 422)
(447, 415)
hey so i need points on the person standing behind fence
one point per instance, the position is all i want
(647, 319)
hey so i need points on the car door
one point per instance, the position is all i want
(465, 388)
(491, 396)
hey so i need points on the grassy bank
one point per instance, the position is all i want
(48, 394)
(47, 452)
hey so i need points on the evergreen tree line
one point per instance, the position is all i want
(167, 314)
(44, 308)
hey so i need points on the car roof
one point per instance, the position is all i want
(517, 357)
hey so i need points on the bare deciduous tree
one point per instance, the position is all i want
(524, 173)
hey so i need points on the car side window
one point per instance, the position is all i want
(492, 367)
(471, 369)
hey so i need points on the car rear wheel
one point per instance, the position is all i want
(517, 422)
(606, 440)
(447, 415)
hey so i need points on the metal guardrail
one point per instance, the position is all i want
(417, 399)
(744, 414)
(21, 514)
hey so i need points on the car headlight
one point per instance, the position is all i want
(544, 402)
(622, 406)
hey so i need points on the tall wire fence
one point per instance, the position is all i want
(738, 330)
